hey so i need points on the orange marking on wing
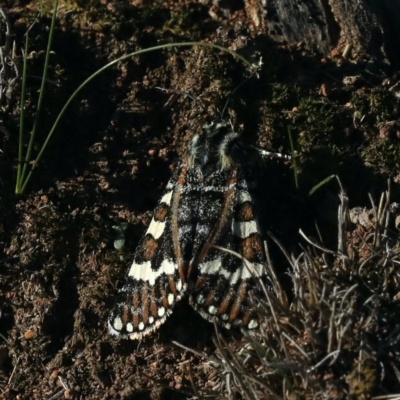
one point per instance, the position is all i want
(244, 212)
(252, 248)
(226, 302)
(172, 284)
(145, 303)
(148, 248)
(161, 212)
(135, 319)
(210, 298)
(247, 317)
(164, 299)
(200, 283)
(135, 299)
(153, 304)
(165, 302)
(241, 295)
(126, 315)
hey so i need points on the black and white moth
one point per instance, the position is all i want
(205, 204)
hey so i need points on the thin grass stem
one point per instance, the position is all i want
(41, 94)
(22, 119)
(296, 175)
(322, 183)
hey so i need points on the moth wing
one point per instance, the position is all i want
(223, 280)
(156, 279)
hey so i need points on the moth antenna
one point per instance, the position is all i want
(231, 94)
(270, 154)
(190, 95)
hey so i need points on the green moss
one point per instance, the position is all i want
(371, 107)
(322, 124)
(382, 155)
(319, 128)
(363, 380)
(371, 110)
(178, 23)
(316, 121)
(286, 96)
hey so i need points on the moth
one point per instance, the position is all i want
(206, 207)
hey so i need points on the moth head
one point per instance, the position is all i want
(214, 147)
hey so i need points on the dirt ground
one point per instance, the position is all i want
(113, 153)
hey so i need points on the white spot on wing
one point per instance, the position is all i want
(167, 198)
(212, 310)
(244, 229)
(168, 267)
(170, 298)
(129, 327)
(161, 311)
(135, 336)
(214, 268)
(141, 326)
(151, 320)
(179, 285)
(243, 196)
(117, 324)
(219, 189)
(144, 271)
(200, 299)
(211, 267)
(156, 228)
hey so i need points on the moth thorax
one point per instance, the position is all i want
(193, 150)
(213, 147)
(225, 150)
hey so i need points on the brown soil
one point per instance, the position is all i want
(110, 158)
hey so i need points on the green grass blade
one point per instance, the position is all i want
(22, 118)
(41, 8)
(8, 343)
(41, 94)
(322, 183)
(296, 175)
(251, 66)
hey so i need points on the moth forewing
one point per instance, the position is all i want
(204, 220)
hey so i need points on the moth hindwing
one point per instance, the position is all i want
(205, 207)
